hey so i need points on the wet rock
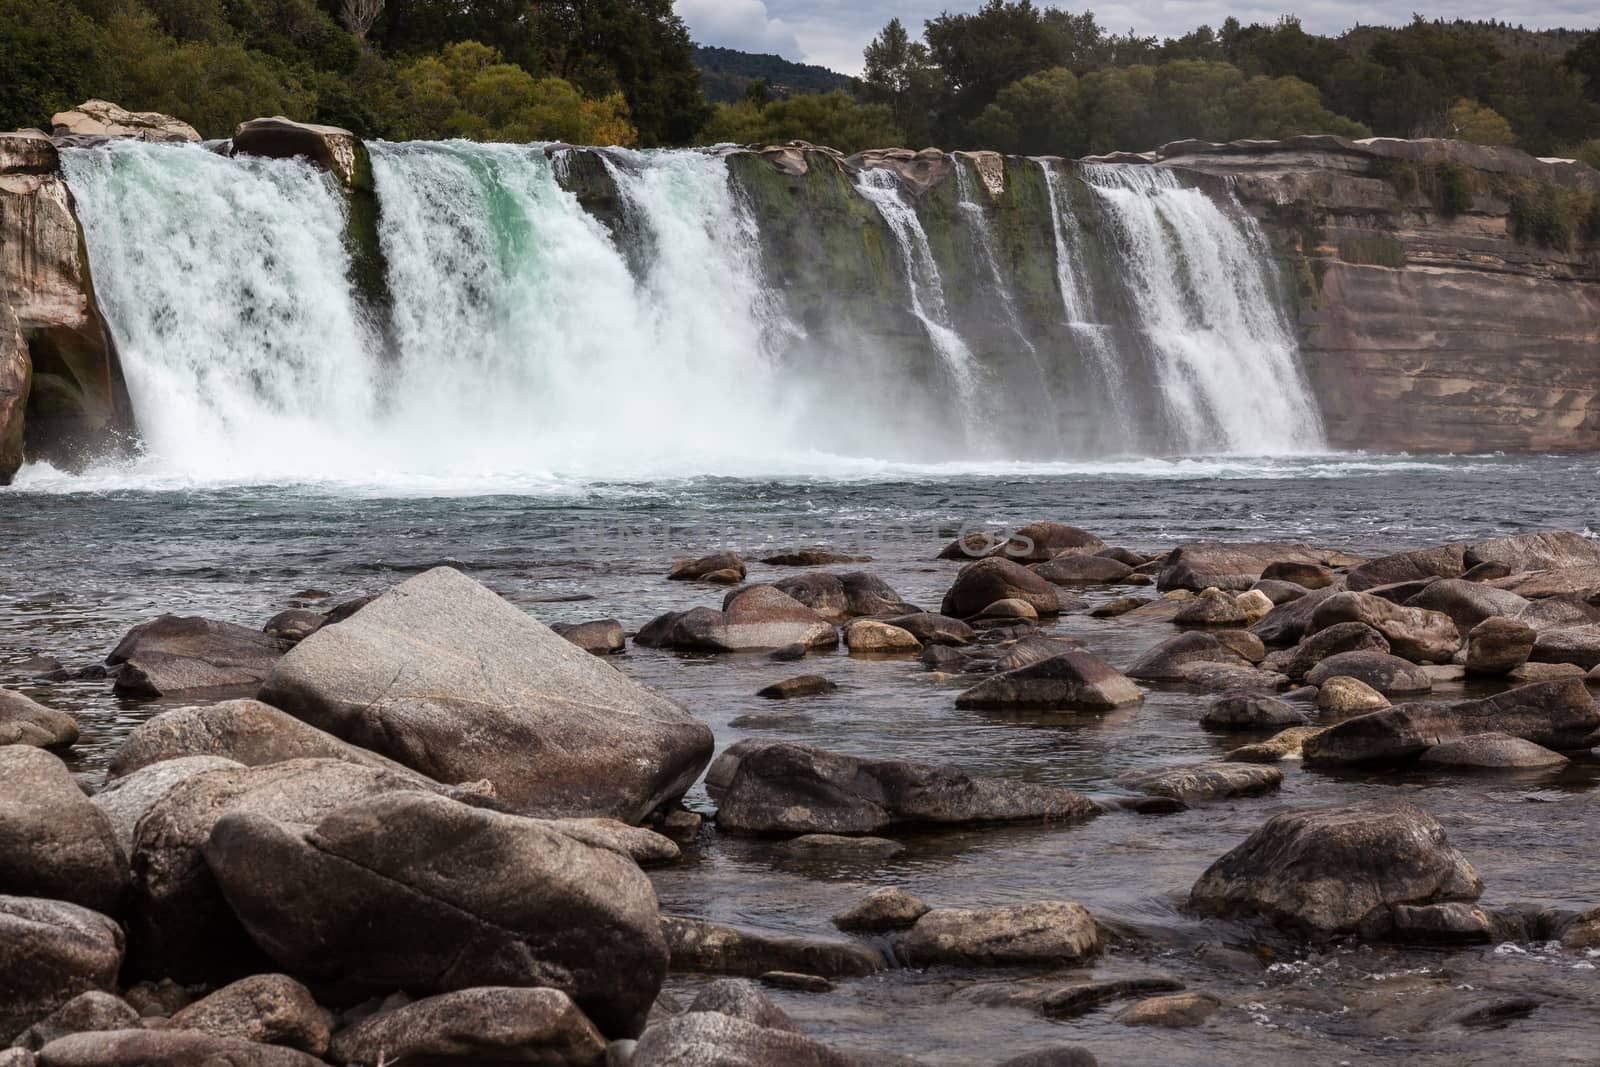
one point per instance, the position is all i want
(1172, 659)
(1331, 641)
(788, 653)
(1307, 576)
(681, 825)
(804, 685)
(125, 800)
(1520, 553)
(1111, 609)
(643, 846)
(712, 1039)
(1082, 570)
(933, 629)
(1041, 541)
(1052, 932)
(724, 568)
(867, 594)
(1444, 561)
(169, 1048)
(1491, 751)
(776, 720)
(869, 636)
(1286, 624)
(174, 654)
(340, 612)
(888, 908)
(1205, 565)
(780, 787)
(1578, 645)
(86, 1012)
(50, 952)
(272, 1009)
(700, 947)
(821, 591)
(486, 1025)
(1467, 603)
(24, 721)
(759, 617)
(1200, 782)
(743, 999)
(1413, 633)
(1008, 610)
(1064, 1056)
(1241, 710)
(838, 846)
(53, 841)
(1348, 696)
(163, 998)
(1456, 922)
(1178, 1011)
(1035, 648)
(1389, 675)
(1486, 572)
(1327, 871)
(1281, 746)
(1070, 681)
(796, 981)
(1279, 592)
(1218, 677)
(1557, 715)
(1583, 932)
(244, 731)
(445, 677)
(291, 627)
(600, 637)
(1498, 646)
(1080, 998)
(1242, 643)
(948, 660)
(971, 546)
(982, 583)
(811, 557)
(101, 118)
(425, 893)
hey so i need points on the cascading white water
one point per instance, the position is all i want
(971, 209)
(1198, 283)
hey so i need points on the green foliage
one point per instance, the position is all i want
(1469, 120)
(1400, 173)
(1375, 250)
(834, 119)
(49, 61)
(1539, 217)
(1589, 152)
(1449, 186)
(1037, 115)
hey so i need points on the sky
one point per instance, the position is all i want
(832, 33)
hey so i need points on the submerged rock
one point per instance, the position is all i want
(485, 1025)
(804, 685)
(1051, 932)
(442, 675)
(176, 654)
(725, 568)
(1082, 570)
(888, 908)
(1243, 710)
(1069, 681)
(811, 557)
(53, 841)
(1199, 782)
(1177, 1011)
(24, 721)
(1287, 744)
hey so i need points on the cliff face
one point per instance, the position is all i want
(1449, 295)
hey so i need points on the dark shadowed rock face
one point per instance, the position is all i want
(1557, 715)
(1040, 541)
(932, 629)
(431, 895)
(85, 1012)
(1286, 623)
(175, 654)
(53, 841)
(442, 675)
(1338, 870)
(1207, 565)
(1340, 637)
(779, 787)
(989, 580)
(600, 637)
(50, 952)
(490, 1025)
(1072, 681)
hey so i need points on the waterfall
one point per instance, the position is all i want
(1199, 284)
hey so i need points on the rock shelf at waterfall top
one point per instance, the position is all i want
(404, 820)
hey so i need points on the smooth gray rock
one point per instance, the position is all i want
(50, 952)
(1467, 603)
(885, 908)
(712, 1039)
(1491, 751)
(53, 841)
(1579, 645)
(1498, 646)
(598, 637)
(1298, 661)
(493, 1025)
(1082, 570)
(125, 800)
(1444, 561)
(1389, 675)
(168, 1048)
(1194, 783)
(25, 721)
(1051, 933)
(1173, 659)
(1245, 711)
(1231, 566)
(1074, 681)
(754, 618)
(743, 999)
(175, 654)
(86, 1012)
(1415, 634)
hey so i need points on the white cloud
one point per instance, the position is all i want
(742, 24)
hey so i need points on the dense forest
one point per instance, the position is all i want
(1012, 75)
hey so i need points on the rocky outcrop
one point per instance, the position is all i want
(101, 118)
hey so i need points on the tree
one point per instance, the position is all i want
(1469, 120)
(359, 15)
(1113, 107)
(758, 93)
(833, 119)
(899, 74)
(51, 59)
(1584, 61)
(1284, 107)
(1037, 115)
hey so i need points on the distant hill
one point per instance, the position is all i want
(726, 71)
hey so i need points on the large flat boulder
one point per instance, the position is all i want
(24, 721)
(1553, 550)
(101, 118)
(494, 1025)
(335, 150)
(1045, 933)
(1416, 634)
(53, 841)
(445, 677)
(50, 952)
(1074, 681)
(169, 1048)
(430, 895)
(177, 654)
(1558, 715)
(781, 787)
(1222, 565)
(1322, 872)
(1443, 561)
(756, 617)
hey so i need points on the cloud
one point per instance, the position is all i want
(743, 24)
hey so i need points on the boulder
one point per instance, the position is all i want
(700, 947)
(1035, 648)
(425, 893)
(125, 800)
(1558, 715)
(643, 846)
(445, 677)
(50, 952)
(291, 627)
(168, 1048)
(1082, 570)
(971, 546)
(811, 557)
(1521, 553)
(101, 118)
(712, 1039)
(599, 637)
(1045, 933)
(1559, 612)
(821, 591)
(28, 152)
(1172, 659)
(933, 629)
(869, 636)
(1307, 576)
(1206, 565)
(1287, 744)
(1218, 677)
(84, 1013)
(1415, 634)
(271, 1009)
(1279, 592)
(337, 151)
(742, 999)
(1286, 623)
(1348, 696)
(1198, 782)
(53, 841)
(181, 926)
(1071, 681)
(867, 594)
(780, 787)
(1389, 675)
(24, 721)
(724, 568)
(886, 908)
(1242, 710)
(1445, 561)
(1580, 582)
(1323, 872)
(1467, 603)
(1583, 932)
(1579, 645)
(1216, 607)
(1112, 609)
(1175, 1011)
(244, 731)
(16, 368)
(1041, 541)
(1340, 637)
(982, 583)
(1492, 751)
(758, 617)
(1005, 612)
(805, 685)
(176, 654)
(1498, 646)
(1061, 1056)
(1242, 643)
(487, 1025)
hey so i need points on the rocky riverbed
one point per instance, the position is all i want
(1118, 791)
